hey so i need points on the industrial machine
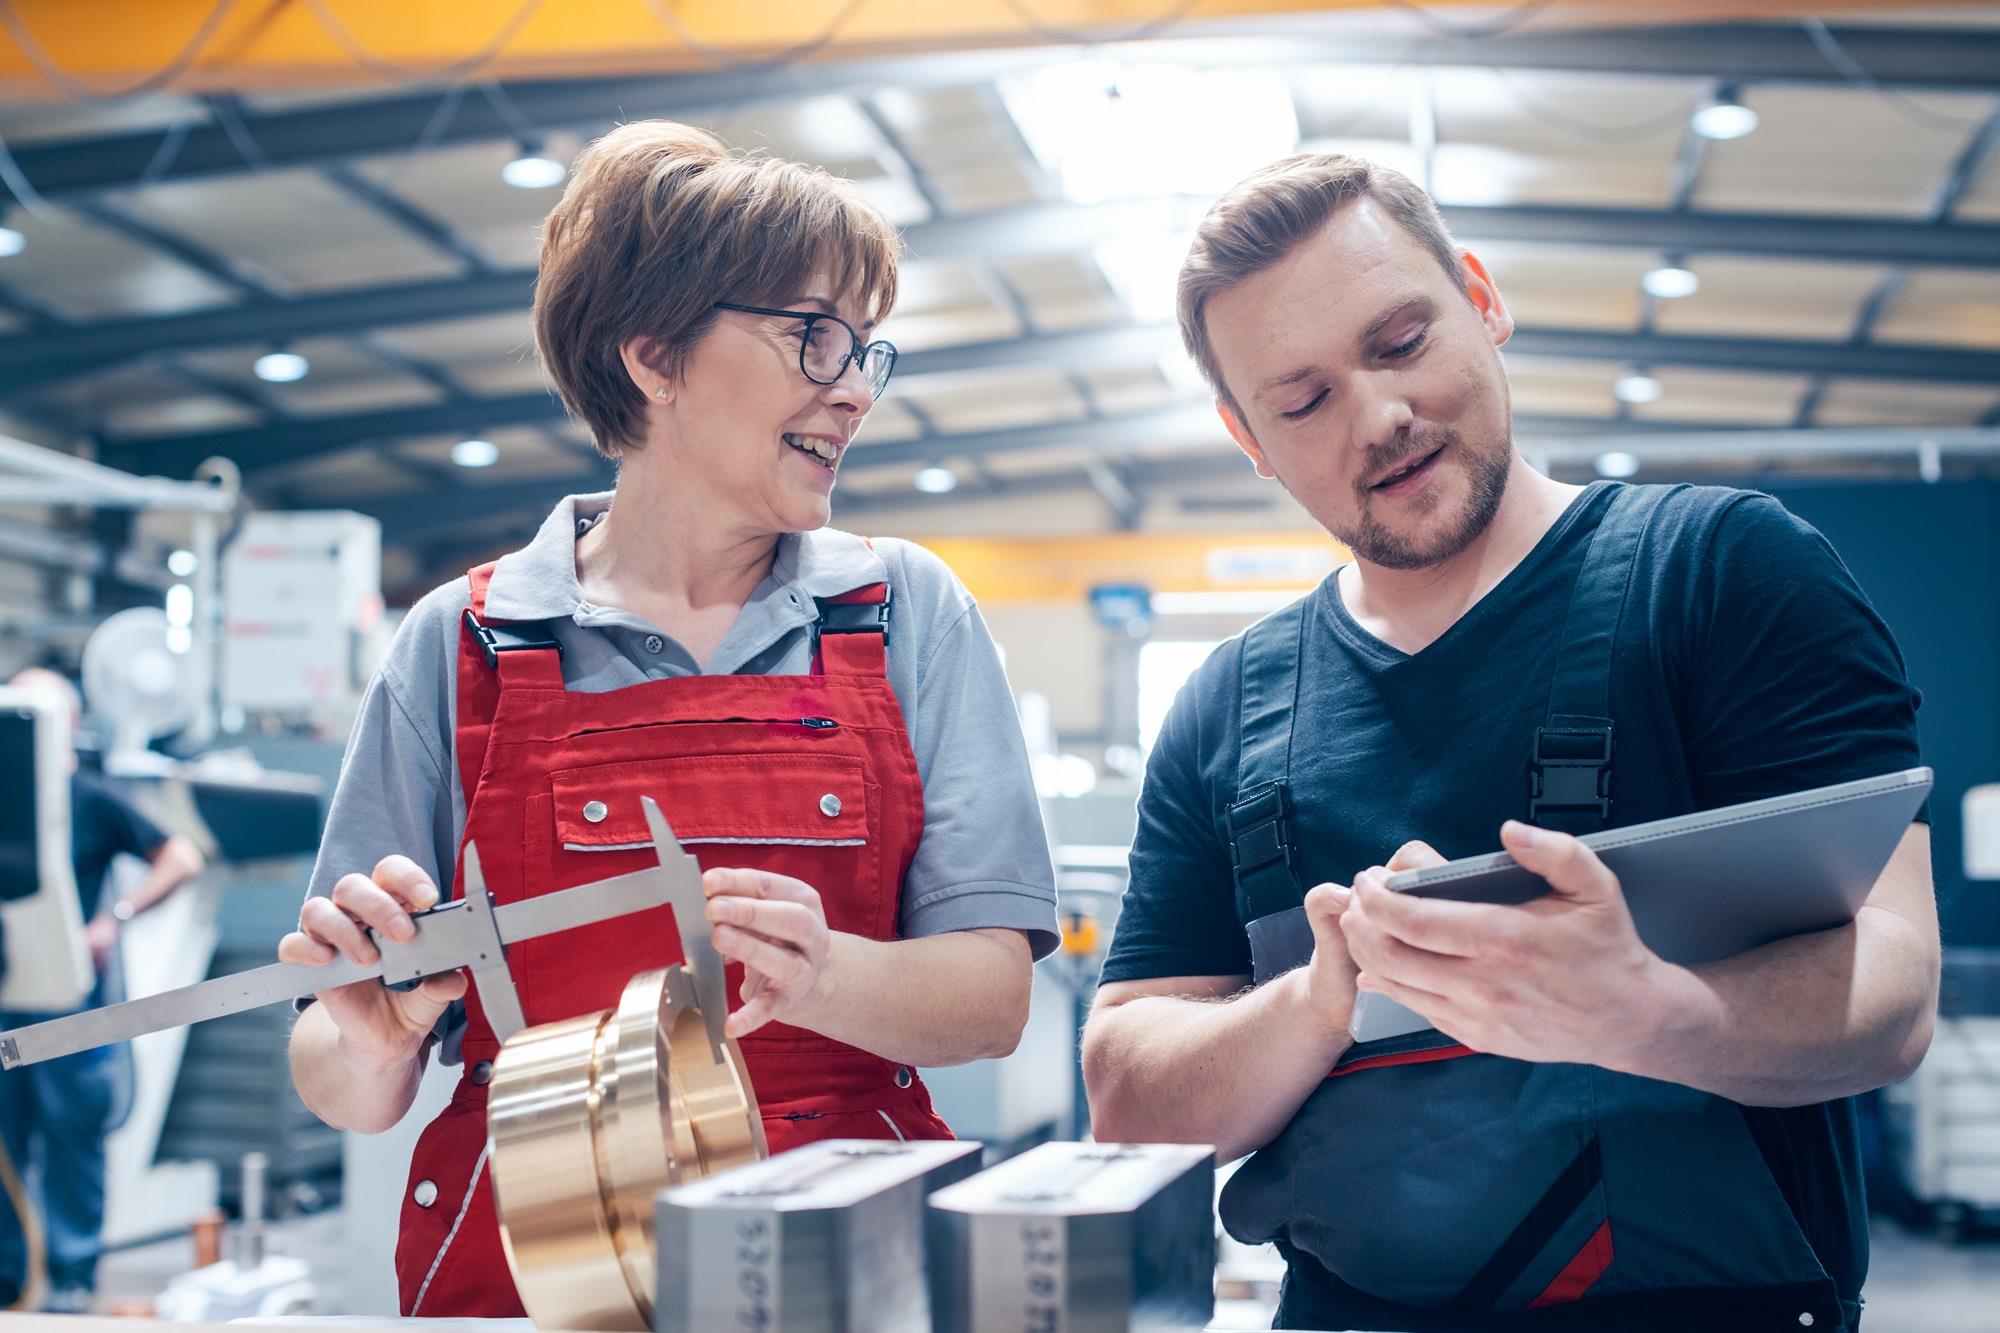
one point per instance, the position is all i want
(45, 965)
(1944, 1120)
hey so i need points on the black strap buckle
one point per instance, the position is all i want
(1571, 773)
(1260, 829)
(494, 640)
(851, 618)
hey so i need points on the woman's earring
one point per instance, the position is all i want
(659, 393)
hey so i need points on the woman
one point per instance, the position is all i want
(876, 869)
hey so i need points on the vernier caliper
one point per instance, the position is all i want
(469, 932)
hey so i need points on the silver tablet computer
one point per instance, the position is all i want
(1707, 885)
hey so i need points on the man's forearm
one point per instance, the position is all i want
(1802, 1020)
(176, 862)
(1230, 1072)
(344, 1092)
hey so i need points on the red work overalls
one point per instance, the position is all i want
(809, 776)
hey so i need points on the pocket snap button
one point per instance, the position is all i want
(595, 811)
(425, 1194)
(829, 805)
(903, 1076)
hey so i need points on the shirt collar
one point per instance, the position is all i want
(538, 582)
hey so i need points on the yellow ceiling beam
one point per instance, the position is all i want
(1001, 570)
(110, 47)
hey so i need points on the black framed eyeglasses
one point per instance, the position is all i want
(823, 358)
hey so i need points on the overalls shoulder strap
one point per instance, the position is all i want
(1261, 849)
(492, 657)
(850, 636)
(1569, 773)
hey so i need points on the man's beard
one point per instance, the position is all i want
(1486, 476)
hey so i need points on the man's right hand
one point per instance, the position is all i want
(378, 1026)
(1329, 977)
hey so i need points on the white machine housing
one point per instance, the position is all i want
(302, 598)
(48, 963)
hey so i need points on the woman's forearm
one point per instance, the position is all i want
(345, 1092)
(941, 1000)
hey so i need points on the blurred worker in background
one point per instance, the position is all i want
(55, 1116)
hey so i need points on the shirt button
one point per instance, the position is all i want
(482, 1073)
(425, 1194)
(595, 812)
(903, 1076)
(829, 805)
(654, 643)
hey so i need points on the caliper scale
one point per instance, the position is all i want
(589, 1117)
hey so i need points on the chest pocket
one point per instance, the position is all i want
(809, 817)
(813, 801)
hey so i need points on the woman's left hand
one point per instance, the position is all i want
(775, 926)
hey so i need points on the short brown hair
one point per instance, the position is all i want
(1274, 210)
(660, 221)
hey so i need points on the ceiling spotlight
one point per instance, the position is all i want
(1617, 466)
(475, 453)
(11, 242)
(533, 169)
(281, 367)
(1726, 118)
(1636, 389)
(181, 564)
(1670, 283)
(937, 480)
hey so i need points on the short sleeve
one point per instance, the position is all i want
(396, 789)
(126, 828)
(1178, 917)
(1794, 681)
(984, 860)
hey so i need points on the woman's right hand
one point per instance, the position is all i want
(378, 1026)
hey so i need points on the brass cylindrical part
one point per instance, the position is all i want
(590, 1118)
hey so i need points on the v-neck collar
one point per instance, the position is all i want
(1342, 622)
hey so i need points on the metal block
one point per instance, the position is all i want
(1078, 1238)
(828, 1238)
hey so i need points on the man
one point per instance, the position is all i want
(1592, 1138)
(55, 1115)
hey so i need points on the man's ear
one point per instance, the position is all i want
(1484, 293)
(1244, 440)
(643, 365)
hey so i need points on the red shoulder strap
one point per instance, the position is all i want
(480, 682)
(478, 692)
(851, 652)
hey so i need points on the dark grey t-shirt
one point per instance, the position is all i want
(984, 858)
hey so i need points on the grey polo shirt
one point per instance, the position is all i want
(984, 859)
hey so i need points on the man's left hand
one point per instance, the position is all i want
(1563, 978)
